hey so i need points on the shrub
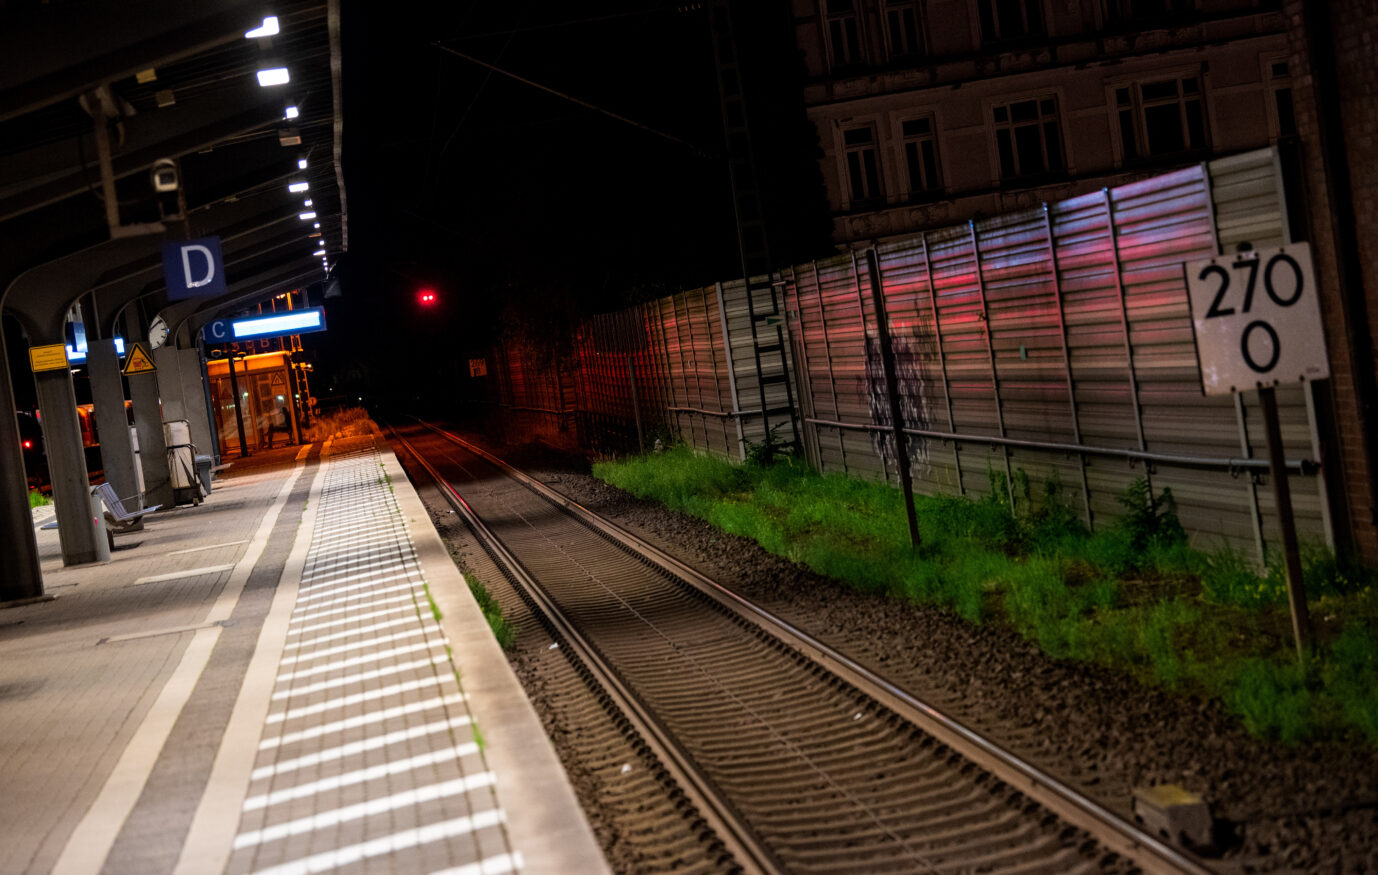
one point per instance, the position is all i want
(1351, 676)
(1272, 699)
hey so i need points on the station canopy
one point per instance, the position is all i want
(191, 85)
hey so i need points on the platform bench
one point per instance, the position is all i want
(119, 517)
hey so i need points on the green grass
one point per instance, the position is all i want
(1133, 596)
(430, 600)
(492, 612)
(38, 499)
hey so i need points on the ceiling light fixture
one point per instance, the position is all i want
(298, 186)
(301, 163)
(291, 112)
(268, 28)
(320, 252)
(307, 202)
(306, 217)
(274, 76)
(317, 225)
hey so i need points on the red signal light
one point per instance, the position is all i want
(426, 297)
(28, 445)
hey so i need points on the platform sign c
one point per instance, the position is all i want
(1257, 319)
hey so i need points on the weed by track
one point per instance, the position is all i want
(1132, 596)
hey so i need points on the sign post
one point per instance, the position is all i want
(1257, 322)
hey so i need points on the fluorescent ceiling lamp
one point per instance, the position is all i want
(284, 323)
(306, 217)
(268, 28)
(320, 252)
(298, 186)
(317, 225)
(306, 203)
(291, 112)
(301, 163)
(274, 76)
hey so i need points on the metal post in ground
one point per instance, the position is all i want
(1282, 495)
(238, 410)
(887, 358)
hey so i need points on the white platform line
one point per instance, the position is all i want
(354, 748)
(359, 678)
(379, 805)
(207, 547)
(90, 843)
(360, 698)
(360, 776)
(361, 720)
(175, 575)
(398, 841)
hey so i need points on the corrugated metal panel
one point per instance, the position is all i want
(1063, 325)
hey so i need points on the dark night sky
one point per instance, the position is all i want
(520, 207)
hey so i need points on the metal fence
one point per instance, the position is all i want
(1053, 343)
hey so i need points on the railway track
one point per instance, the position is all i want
(795, 758)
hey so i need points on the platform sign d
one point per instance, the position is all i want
(193, 268)
(1257, 319)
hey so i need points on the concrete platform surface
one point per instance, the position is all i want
(288, 678)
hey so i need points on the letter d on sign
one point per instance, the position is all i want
(193, 268)
(187, 250)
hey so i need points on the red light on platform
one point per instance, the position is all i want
(426, 297)
(28, 445)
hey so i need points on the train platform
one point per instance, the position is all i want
(290, 677)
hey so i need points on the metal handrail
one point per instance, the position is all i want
(1303, 466)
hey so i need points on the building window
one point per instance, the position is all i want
(1010, 19)
(921, 155)
(1027, 138)
(903, 35)
(1130, 11)
(863, 165)
(844, 39)
(1161, 118)
(1280, 83)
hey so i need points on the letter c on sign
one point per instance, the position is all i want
(186, 265)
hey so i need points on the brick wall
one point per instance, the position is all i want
(1334, 65)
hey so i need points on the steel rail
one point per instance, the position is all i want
(716, 811)
(1113, 831)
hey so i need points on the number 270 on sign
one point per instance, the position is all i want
(1257, 319)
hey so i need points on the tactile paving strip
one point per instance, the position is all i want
(369, 760)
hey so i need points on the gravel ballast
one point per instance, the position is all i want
(1310, 808)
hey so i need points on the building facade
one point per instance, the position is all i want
(930, 112)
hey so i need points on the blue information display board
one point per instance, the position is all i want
(307, 321)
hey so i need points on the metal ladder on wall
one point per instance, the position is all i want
(764, 312)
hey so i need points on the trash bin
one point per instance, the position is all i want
(180, 464)
(203, 471)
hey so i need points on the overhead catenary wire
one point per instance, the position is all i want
(694, 147)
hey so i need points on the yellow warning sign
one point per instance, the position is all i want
(50, 357)
(140, 361)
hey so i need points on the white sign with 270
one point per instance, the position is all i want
(1257, 319)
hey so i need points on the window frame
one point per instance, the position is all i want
(872, 200)
(902, 140)
(857, 32)
(1272, 84)
(1112, 12)
(986, 9)
(994, 127)
(917, 7)
(1139, 153)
